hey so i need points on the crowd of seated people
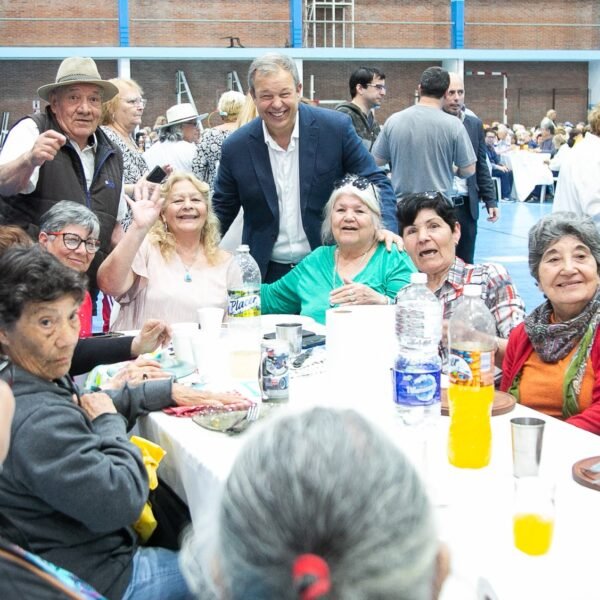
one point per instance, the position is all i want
(86, 484)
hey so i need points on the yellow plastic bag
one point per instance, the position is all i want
(152, 454)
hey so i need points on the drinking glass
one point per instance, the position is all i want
(533, 516)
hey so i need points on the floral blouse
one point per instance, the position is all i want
(208, 155)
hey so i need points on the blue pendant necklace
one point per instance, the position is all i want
(188, 276)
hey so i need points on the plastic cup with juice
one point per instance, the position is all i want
(533, 517)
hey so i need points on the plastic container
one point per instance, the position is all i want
(243, 315)
(417, 368)
(472, 344)
(243, 289)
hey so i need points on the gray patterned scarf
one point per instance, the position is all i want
(553, 341)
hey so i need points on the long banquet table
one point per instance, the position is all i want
(473, 507)
(529, 169)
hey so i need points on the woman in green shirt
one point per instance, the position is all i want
(354, 269)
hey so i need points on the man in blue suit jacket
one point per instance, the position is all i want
(478, 186)
(282, 166)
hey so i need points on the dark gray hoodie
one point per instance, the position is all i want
(71, 488)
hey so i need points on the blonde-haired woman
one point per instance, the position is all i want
(168, 264)
(120, 116)
(208, 153)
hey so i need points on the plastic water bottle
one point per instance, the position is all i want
(417, 369)
(472, 343)
(243, 288)
(243, 314)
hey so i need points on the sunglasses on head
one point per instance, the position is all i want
(360, 183)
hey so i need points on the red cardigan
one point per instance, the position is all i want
(518, 350)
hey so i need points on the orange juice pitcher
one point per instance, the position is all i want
(471, 374)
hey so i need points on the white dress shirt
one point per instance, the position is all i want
(292, 244)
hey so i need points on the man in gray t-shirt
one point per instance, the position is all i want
(425, 146)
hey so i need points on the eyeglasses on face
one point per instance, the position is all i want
(7, 370)
(379, 86)
(72, 241)
(139, 101)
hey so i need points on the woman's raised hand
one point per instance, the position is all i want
(147, 205)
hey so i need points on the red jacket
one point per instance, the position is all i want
(518, 350)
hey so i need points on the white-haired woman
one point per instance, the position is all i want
(343, 516)
(208, 152)
(356, 269)
(168, 263)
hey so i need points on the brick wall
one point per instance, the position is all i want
(566, 24)
(540, 24)
(155, 23)
(55, 23)
(532, 87)
(391, 24)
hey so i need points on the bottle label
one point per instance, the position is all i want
(471, 368)
(416, 388)
(243, 304)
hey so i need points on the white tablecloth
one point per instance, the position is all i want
(474, 507)
(529, 170)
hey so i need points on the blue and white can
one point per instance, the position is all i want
(274, 370)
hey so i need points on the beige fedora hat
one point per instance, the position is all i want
(180, 113)
(76, 69)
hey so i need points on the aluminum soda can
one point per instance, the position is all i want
(274, 370)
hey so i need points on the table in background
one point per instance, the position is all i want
(529, 169)
(474, 507)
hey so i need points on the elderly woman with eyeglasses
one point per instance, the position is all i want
(430, 230)
(70, 232)
(120, 117)
(73, 484)
(552, 361)
(67, 232)
(355, 268)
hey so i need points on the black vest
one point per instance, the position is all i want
(63, 179)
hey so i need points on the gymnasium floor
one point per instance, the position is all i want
(505, 242)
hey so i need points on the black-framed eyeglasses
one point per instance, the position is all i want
(380, 87)
(7, 370)
(72, 241)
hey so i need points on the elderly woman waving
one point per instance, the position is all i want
(168, 264)
(356, 269)
(552, 361)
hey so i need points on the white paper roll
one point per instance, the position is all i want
(361, 347)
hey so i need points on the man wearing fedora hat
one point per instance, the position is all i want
(62, 154)
(177, 139)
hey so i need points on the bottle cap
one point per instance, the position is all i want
(472, 290)
(418, 277)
